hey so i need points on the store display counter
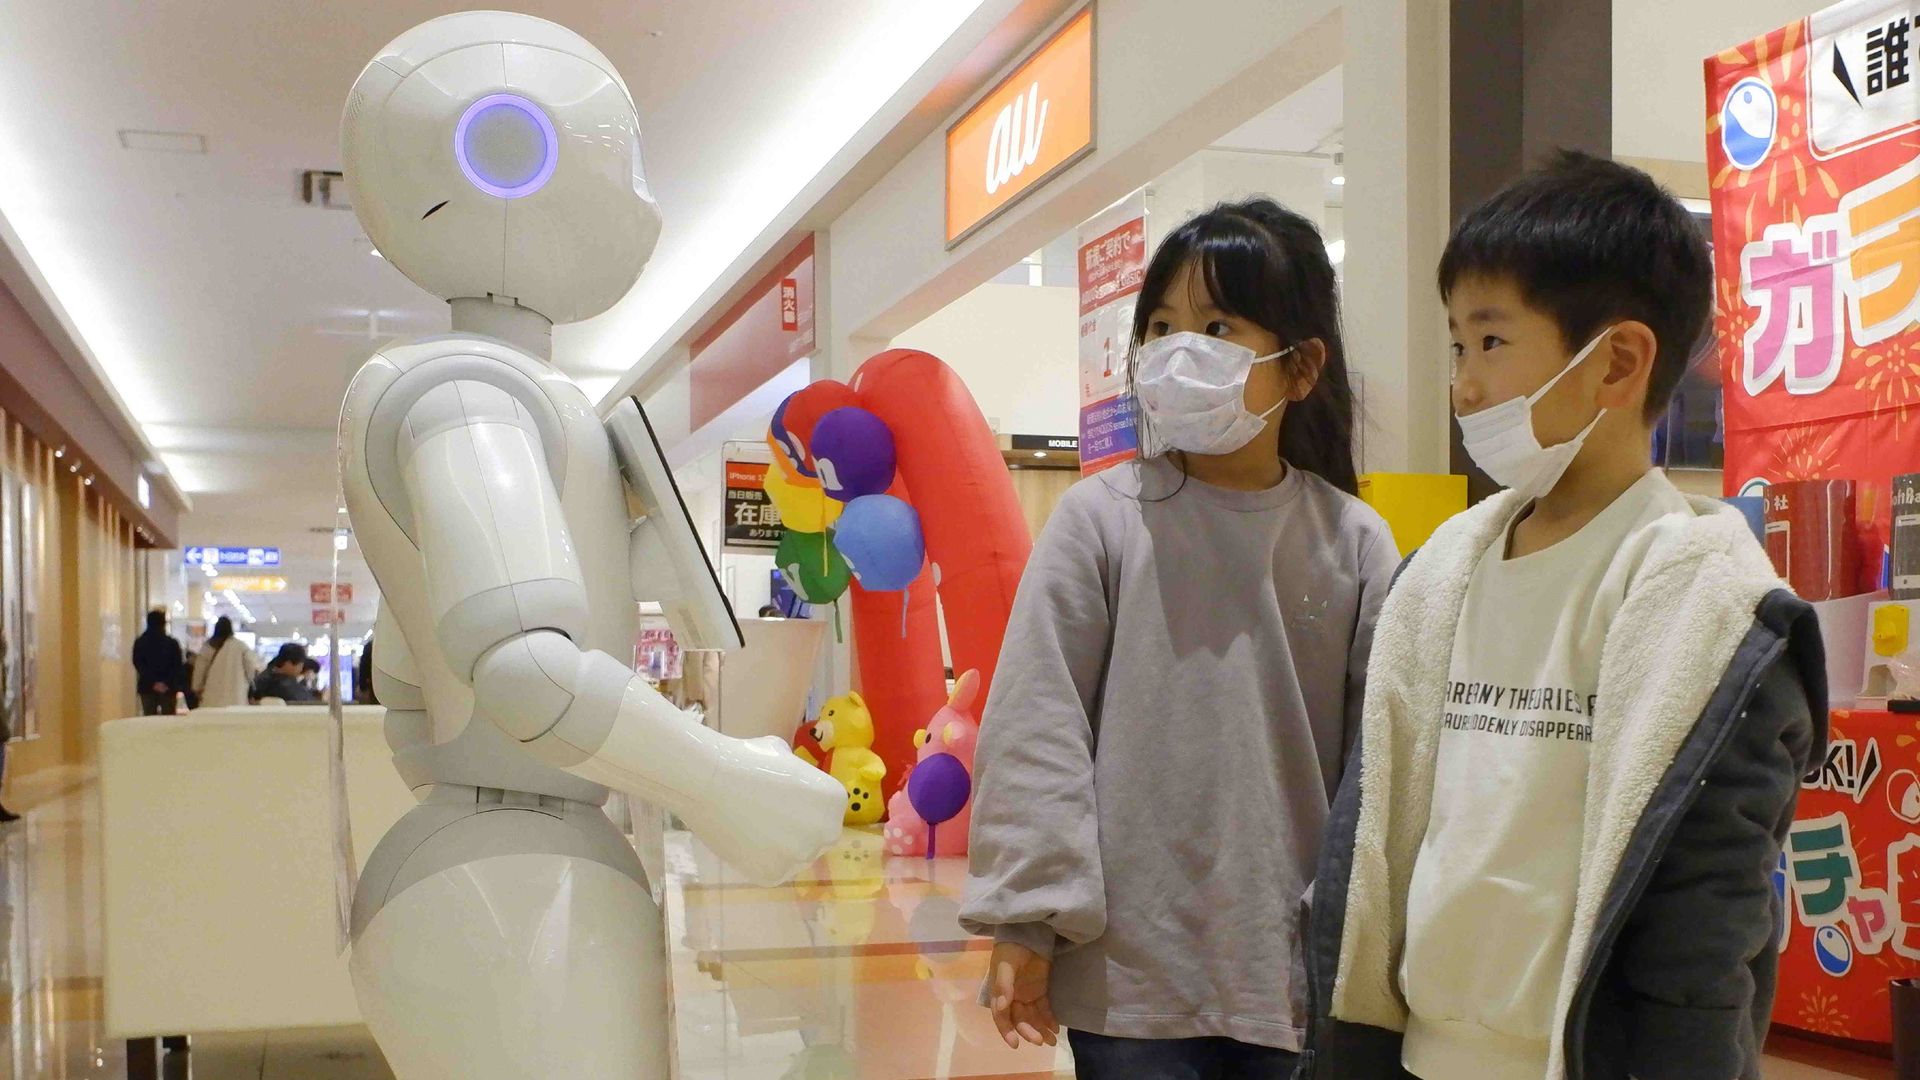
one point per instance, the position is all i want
(218, 866)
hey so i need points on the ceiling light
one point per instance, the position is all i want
(89, 481)
(816, 119)
(60, 453)
(1339, 180)
(375, 252)
(164, 142)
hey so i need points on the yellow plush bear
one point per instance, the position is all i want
(845, 732)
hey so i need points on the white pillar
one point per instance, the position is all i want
(1396, 219)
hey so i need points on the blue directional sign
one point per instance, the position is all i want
(233, 556)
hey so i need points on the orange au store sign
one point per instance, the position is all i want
(1034, 124)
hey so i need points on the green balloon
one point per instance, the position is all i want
(816, 572)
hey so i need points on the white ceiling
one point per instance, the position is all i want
(230, 316)
(1308, 121)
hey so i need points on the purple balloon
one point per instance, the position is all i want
(853, 453)
(939, 788)
(880, 538)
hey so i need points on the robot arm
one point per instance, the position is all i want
(510, 606)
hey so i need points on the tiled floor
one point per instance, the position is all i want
(857, 972)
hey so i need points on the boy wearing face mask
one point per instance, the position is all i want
(1590, 703)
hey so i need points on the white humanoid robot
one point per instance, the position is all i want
(504, 929)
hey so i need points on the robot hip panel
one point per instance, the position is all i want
(456, 825)
(517, 966)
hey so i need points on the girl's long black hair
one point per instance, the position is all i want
(1265, 263)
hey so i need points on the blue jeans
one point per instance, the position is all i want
(1102, 1057)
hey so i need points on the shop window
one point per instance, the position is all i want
(1693, 434)
(1051, 266)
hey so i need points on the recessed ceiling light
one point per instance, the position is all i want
(163, 142)
(1339, 180)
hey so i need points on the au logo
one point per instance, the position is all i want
(1015, 143)
(1749, 118)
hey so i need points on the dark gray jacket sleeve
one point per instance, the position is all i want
(1707, 922)
(1379, 568)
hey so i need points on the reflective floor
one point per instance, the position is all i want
(857, 972)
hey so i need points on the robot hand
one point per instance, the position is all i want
(779, 814)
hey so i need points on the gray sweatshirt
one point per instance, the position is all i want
(1180, 683)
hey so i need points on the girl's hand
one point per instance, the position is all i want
(1018, 979)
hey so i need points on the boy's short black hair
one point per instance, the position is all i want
(1589, 242)
(290, 653)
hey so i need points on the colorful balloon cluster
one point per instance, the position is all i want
(833, 465)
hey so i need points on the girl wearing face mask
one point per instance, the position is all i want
(1182, 680)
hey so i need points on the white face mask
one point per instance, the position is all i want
(1501, 441)
(1193, 390)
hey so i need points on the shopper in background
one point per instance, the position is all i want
(159, 667)
(363, 691)
(1591, 700)
(285, 678)
(8, 705)
(223, 672)
(1189, 640)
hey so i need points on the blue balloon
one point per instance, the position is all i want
(853, 453)
(880, 538)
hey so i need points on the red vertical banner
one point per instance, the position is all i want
(789, 304)
(1112, 268)
(1813, 148)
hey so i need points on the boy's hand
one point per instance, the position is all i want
(1018, 979)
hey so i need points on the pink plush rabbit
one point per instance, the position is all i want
(954, 730)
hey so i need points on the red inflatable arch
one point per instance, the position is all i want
(951, 471)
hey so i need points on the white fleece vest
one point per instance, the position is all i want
(1701, 581)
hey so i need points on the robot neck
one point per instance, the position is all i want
(521, 327)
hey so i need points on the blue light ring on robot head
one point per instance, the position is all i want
(502, 104)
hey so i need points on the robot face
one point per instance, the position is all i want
(506, 146)
(494, 154)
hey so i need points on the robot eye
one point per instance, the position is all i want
(506, 146)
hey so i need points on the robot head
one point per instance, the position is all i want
(490, 153)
